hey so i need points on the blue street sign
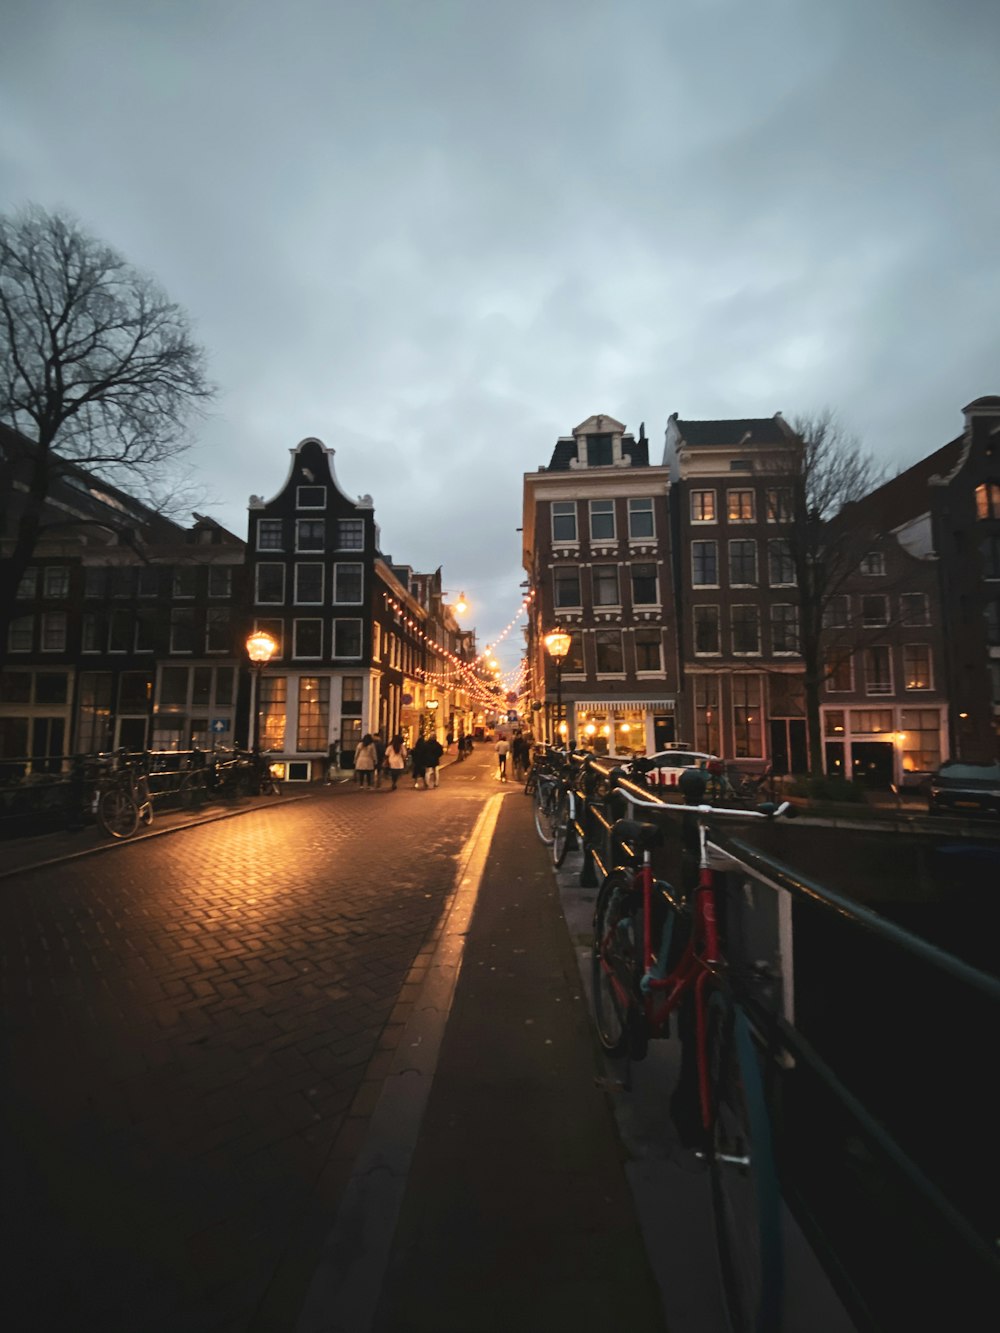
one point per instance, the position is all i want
(219, 724)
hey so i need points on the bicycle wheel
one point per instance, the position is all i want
(563, 834)
(117, 813)
(545, 814)
(192, 791)
(616, 959)
(144, 802)
(746, 1201)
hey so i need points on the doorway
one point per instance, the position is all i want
(872, 763)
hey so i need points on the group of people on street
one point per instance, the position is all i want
(373, 758)
(519, 750)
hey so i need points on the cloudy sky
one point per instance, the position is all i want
(437, 234)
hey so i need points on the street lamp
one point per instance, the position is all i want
(432, 706)
(557, 643)
(261, 647)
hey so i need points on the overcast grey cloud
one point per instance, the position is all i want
(439, 234)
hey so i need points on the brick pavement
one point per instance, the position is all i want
(188, 1025)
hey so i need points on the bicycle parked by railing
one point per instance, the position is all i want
(122, 795)
(551, 781)
(641, 975)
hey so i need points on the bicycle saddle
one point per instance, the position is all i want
(637, 833)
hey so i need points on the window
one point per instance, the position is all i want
(871, 721)
(991, 615)
(599, 452)
(746, 629)
(94, 724)
(310, 534)
(780, 563)
(55, 581)
(182, 630)
(873, 564)
(740, 465)
(220, 581)
(308, 584)
(608, 644)
(173, 687)
(310, 497)
(273, 702)
(201, 687)
(602, 520)
(347, 638)
(348, 582)
(706, 629)
(123, 581)
(120, 636)
(704, 564)
(28, 587)
(874, 611)
(314, 713)
(351, 695)
(54, 632)
(574, 658)
(740, 506)
(51, 687)
(743, 563)
(839, 674)
(640, 519)
(706, 714)
(185, 581)
(223, 686)
(218, 630)
(835, 613)
(878, 670)
(270, 583)
(20, 634)
(989, 549)
(648, 650)
(564, 520)
(606, 586)
(747, 730)
(566, 586)
(147, 623)
(913, 608)
(917, 666)
(703, 506)
(784, 628)
(921, 740)
(15, 687)
(307, 638)
(645, 591)
(149, 581)
(351, 534)
(92, 633)
(780, 508)
(988, 500)
(269, 536)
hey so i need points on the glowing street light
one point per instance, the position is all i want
(557, 644)
(261, 647)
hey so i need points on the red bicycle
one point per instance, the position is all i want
(641, 975)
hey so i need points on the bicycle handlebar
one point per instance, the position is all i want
(785, 809)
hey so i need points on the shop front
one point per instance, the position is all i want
(624, 727)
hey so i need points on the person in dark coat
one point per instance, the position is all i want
(419, 757)
(433, 750)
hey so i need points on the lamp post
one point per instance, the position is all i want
(261, 647)
(557, 643)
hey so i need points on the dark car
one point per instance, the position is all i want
(965, 789)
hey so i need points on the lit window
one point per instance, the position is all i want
(917, 666)
(703, 506)
(740, 506)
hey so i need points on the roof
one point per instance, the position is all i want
(905, 497)
(989, 400)
(727, 434)
(565, 452)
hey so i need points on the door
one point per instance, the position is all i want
(664, 731)
(132, 734)
(872, 763)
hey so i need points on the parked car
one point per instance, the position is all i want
(968, 789)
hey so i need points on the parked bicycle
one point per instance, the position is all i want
(641, 974)
(551, 780)
(122, 795)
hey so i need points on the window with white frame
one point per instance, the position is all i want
(54, 632)
(988, 499)
(314, 713)
(743, 563)
(220, 580)
(645, 586)
(780, 504)
(573, 664)
(917, 666)
(648, 650)
(566, 586)
(308, 583)
(120, 635)
(270, 583)
(874, 611)
(28, 587)
(608, 647)
(147, 622)
(839, 671)
(564, 520)
(276, 629)
(20, 634)
(878, 670)
(705, 564)
(182, 630)
(746, 629)
(706, 629)
(641, 523)
(606, 591)
(185, 581)
(747, 728)
(269, 535)
(149, 581)
(310, 497)
(218, 630)
(310, 534)
(913, 608)
(784, 628)
(873, 564)
(348, 583)
(350, 534)
(836, 612)
(55, 581)
(707, 714)
(780, 563)
(122, 581)
(602, 520)
(740, 506)
(703, 507)
(307, 638)
(921, 739)
(347, 637)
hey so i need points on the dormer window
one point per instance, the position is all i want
(599, 451)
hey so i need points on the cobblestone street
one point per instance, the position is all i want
(194, 1028)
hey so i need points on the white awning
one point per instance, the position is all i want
(597, 705)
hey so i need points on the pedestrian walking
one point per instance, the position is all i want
(395, 759)
(332, 762)
(433, 750)
(418, 757)
(365, 758)
(502, 749)
(379, 757)
(520, 754)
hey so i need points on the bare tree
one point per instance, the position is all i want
(97, 368)
(834, 472)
